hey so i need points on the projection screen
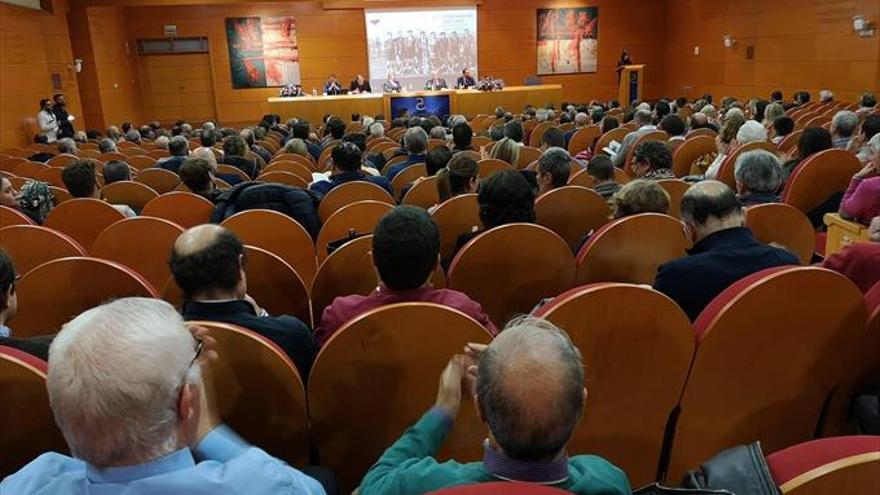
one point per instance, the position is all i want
(414, 44)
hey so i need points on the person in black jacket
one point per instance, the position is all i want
(234, 151)
(65, 121)
(724, 250)
(207, 262)
(298, 204)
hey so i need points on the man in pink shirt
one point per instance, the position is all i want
(406, 251)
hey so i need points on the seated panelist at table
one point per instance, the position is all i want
(436, 83)
(391, 85)
(360, 85)
(332, 87)
(466, 80)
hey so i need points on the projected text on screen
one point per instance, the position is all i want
(416, 45)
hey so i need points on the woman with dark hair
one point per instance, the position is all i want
(505, 197)
(458, 177)
(813, 140)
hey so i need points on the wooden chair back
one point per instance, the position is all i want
(491, 269)
(383, 352)
(690, 151)
(30, 170)
(141, 162)
(263, 397)
(280, 235)
(583, 139)
(134, 194)
(527, 155)
(572, 212)
(538, 133)
(636, 339)
(30, 429)
(783, 225)
(113, 155)
(726, 171)
(53, 293)
(489, 166)
(275, 285)
(232, 171)
(357, 218)
(423, 193)
(790, 141)
(581, 178)
(295, 168)
(51, 175)
(349, 193)
(142, 244)
(704, 131)
(183, 208)
(286, 178)
(392, 162)
(631, 249)
(30, 246)
(818, 177)
(455, 217)
(406, 176)
(62, 160)
(129, 152)
(644, 138)
(613, 135)
(829, 465)
(755, 363)
(676, 189)
(83, 219)
(158, 179)
(9, 216)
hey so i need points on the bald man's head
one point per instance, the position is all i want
(530, 389)
(710, 206)
(207, 263)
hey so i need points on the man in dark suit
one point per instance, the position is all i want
(178, 146)
(436, 83)
(466, 80)
(724, 250)
(208, 265)
(360, 85)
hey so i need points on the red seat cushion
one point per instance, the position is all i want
(789, 463)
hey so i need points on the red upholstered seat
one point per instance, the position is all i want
(499, 488)
(848, 461)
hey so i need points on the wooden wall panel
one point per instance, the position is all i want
(33, 46)
(799, 45)
(116, 66)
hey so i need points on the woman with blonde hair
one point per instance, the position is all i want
(458, 177)
(772, 112)
(506, 150)
(297, 146)
(639, 196)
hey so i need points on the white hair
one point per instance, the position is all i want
(208, 126)
(115, 373)
(825, 96)
(161, 142)
(205, 154)
(874, 145)
(734, 111)
(709, 111)
(541, 114)
(845, 122)
(377, 130)
(644, 106)
(457, 119)
(367, 122)
(750, 132)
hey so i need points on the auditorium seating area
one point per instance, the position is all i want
(777, 357)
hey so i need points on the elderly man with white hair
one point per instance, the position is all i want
(581, 120)
(376, 130)
(528, 366)
(843, 126)
(826, 96)
(758, 177)
(750, 132)
(125, 383)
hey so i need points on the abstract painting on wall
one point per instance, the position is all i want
(263, 51)
(567, 40)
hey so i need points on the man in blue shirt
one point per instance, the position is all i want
(178, 146)
(125, 386)
(347, 168)
(415, 140)
(301, 130)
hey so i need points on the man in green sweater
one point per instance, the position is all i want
(530, 393)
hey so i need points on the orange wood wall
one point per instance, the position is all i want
(33, 45)
(116, 62)
(799, 45)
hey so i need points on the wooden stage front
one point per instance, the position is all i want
(462, 101)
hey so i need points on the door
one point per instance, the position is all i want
(175, 87)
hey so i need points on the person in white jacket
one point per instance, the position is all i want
(47, 121)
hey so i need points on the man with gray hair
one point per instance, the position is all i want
(133, 136)
(178, 146)
(377, 130)
(758, 177)
(127, 389)
(723, 251)
(107, 145)
(581, 120)
(415, 140)
(645, 120)
(750, 132)
(843, 126)
(554, 169)
(67, 146)
(826, 96)
(528, 366)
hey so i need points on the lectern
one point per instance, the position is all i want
(631, 82)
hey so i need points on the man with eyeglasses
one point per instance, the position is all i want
(347, 168)
(125, 385)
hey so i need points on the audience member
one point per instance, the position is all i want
(758, 178)
(415, 140)
(80, 181)
(198, 175)
(771, 113)
(107, 145)
(406, 251)
(178, 146)
(861, 201)
(644, 120)
(674, 127)
(581, 120)
(8, 193)
(724, 251)
(554, 169)
(782, 127)
(127, 389)
(652, 161)
(529, 365)
(860, 261)
(301, 130)
(347, 168)
(746, 132)
(462, 136)
(602, 170)
(639, 196)
(334, 130)
(376, 130)
(859, 143)
(867, 103)
(208, 263)
(826, 96)
(47, 122)
(436, 159)
(812, 141)
(552, 138)
(843, 126)
(234, 153)
(161, 142)
(460, 176)
(115, 171)
(506, 150)
(513, 130)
